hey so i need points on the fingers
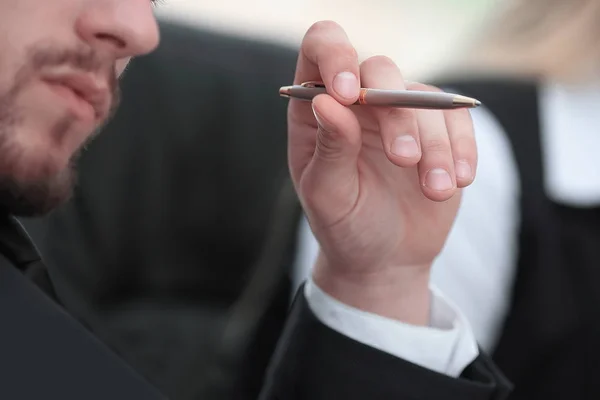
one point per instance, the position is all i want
(441, 143)
(448, 146)
(436, 168)
(459, 127)
(327, 55)
(397, 126)
(464, 147)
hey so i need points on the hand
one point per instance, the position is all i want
(380, 186)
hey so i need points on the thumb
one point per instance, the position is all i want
(338, 138)
(330, 183)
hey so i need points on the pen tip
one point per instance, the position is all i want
(463, 101)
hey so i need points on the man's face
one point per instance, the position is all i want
(59, 65)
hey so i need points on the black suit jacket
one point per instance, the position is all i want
(183, 202)
(548, 345)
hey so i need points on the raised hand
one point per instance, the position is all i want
(380, 186)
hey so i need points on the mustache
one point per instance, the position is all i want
(83, 59)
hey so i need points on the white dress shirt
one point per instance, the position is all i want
(476, 268)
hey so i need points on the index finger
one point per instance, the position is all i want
(327, 55)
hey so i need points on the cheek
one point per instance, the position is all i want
(121, 65)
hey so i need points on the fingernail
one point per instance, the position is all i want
(320, 120)
(463, 170)
(438, 179)
(405, 146)
(346, 85)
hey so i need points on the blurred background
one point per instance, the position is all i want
(422, 36)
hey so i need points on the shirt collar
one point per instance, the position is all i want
(570, 139)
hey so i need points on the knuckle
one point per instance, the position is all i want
(464, 147)
(437, 145)
(352, 52)
(343, 51)
(328, 144)
(402, 117)
(400, 120)
(464, 142)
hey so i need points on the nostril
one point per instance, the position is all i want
(115, 41)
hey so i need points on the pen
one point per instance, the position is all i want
(387, 98)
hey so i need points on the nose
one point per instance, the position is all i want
(125, 28)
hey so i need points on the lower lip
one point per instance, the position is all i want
(81, 108)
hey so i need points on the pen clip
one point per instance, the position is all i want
(313, 84)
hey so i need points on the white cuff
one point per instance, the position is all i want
(447, 346)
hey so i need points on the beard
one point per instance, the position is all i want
(30, 184)
(32, 198)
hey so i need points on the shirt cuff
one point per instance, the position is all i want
(446, 346)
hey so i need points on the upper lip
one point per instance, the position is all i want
(87, 86)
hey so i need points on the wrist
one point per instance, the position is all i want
(400, 293)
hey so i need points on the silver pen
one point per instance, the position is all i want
(387, 98)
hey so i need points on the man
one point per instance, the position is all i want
(378, 186)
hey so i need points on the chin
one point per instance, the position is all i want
(35, 180)
(33, 199)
